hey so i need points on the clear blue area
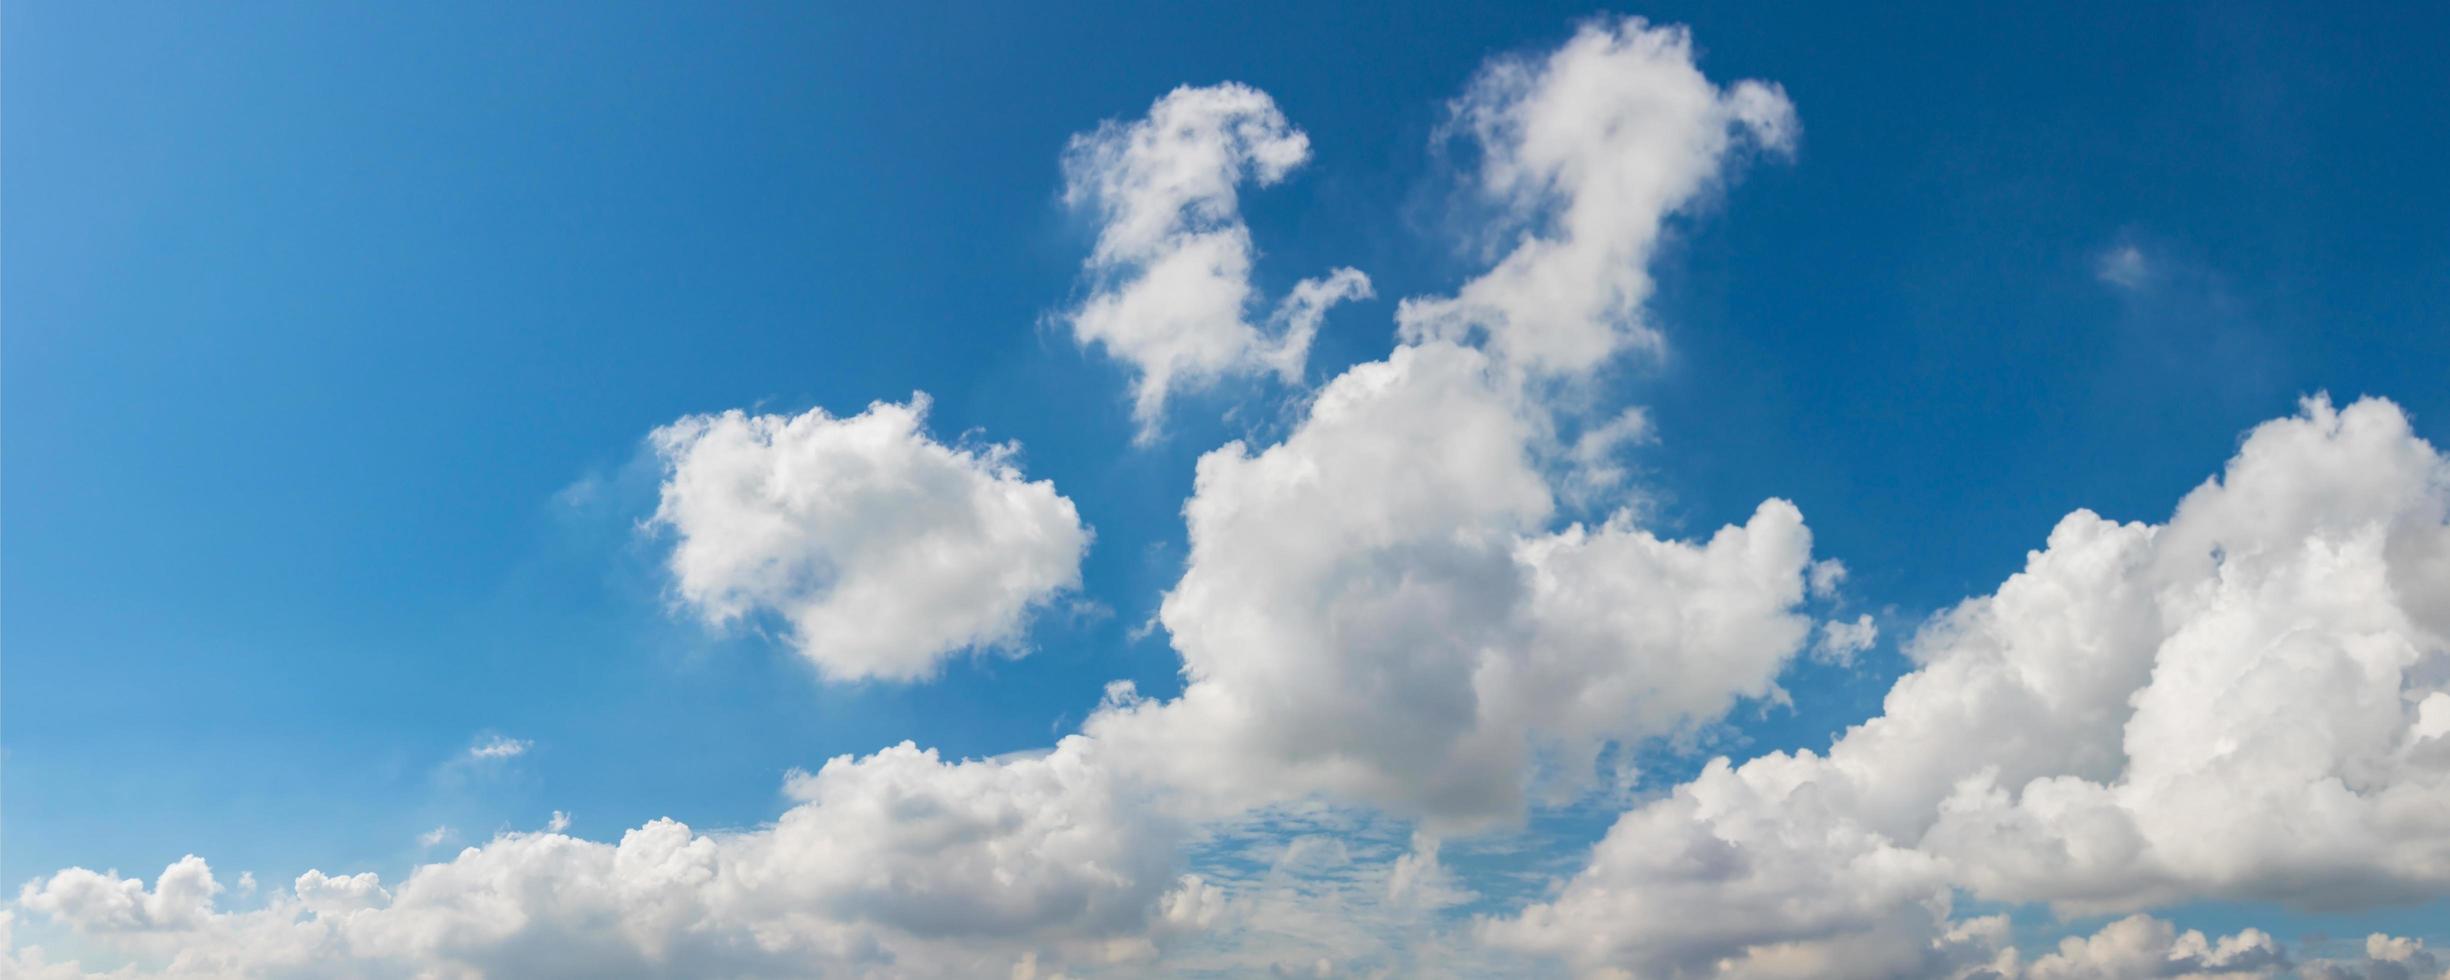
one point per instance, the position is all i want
(331, 332)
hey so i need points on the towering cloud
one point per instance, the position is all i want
(883, 550)
(1170, 276)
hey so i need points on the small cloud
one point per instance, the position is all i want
(581, 493)
(434, 836)
(1840, 641)
(2123, 266)
(559, 823)
(1825, 577)
(500, 747)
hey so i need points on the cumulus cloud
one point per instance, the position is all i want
(899, 863)
(1589, 150)
(2247, 702)
(1379, 608)
(1373, 610)
(1170, 275)
(882, 550)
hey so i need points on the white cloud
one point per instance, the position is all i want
(1840, 641)
(2244, 703)
(1171, 270)
(499, 747)
(894, 864)
(884, 551)
(435, 836)
(1379, 608)
(1372, 609)
(1590, 149)
(105, 903)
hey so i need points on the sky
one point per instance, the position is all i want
(839, 490)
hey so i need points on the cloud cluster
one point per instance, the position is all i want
(2251, 701)
(1376, 609)
(882, 550)
(1171, 290)
(1389, 635)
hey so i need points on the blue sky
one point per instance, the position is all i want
(334, 335)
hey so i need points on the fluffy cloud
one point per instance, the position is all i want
(102, 903)
(2141, 946)
(884, 550)
(1589, 150)
(898, 863)
(1372, 609)
(1377, 608)
(2247, 702)
(1171, 270)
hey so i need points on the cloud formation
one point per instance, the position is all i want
(1389, 635)
(1377, 608)
(1372, 610)
(1588, 151)
(2251, 702)
(882, 550)
(1170, 275)
(895, 864)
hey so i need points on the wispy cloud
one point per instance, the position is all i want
(500, 747)
(2123, 266)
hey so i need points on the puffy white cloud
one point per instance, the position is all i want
(106, 903)
(884, 550)
(898, 863)
(1590, 149)
(2241, 703)
(1372, 608)
(1171, 270)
